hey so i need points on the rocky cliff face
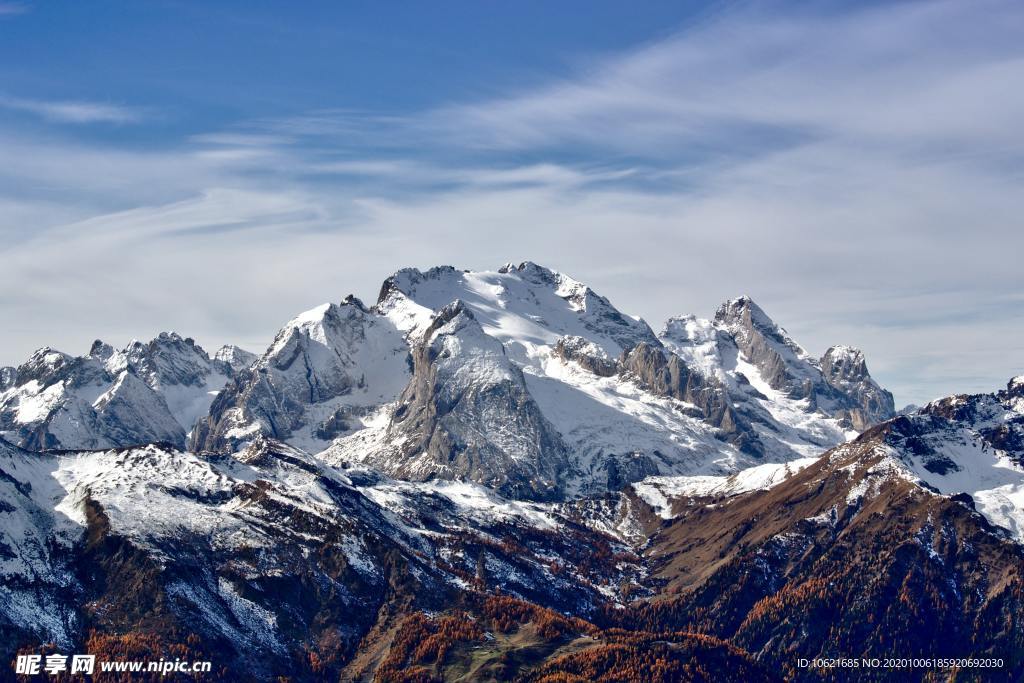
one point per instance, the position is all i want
(839, 384)
(467, 414)
(781, 362)
(8, 375)
(238, 359)
(667, 375)
(130, 412)
(38, 587)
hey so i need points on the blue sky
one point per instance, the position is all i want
(201, 65)
(214, 168)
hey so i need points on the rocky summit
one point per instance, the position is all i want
(499, 475)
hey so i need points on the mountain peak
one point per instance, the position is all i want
(844, 362)
(237, 358)
(467, 414)
(101, 351)
(405, 280)
(48, 354)
(535, 270)
(148, 391)
(45, 365)
(688, 329)
(353, 300)
(170, 337)
(311, 316)
(744, 311)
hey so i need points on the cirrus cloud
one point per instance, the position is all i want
(856, 171)
(72, 111)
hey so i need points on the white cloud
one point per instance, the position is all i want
(72, 112)
(857, 173)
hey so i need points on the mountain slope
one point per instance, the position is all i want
(37, 577)
(792, 401)
(325, 371)
(496, 475)
(874, 549)
(265, 555)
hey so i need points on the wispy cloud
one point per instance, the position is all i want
(72, 111)
(911, 74)
(858, 172)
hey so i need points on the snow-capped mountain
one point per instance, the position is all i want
(237, 358)
(144, 393)
(467, 414)
(522, 378)
(775, 384)
(970, 446)
(8, 375)
(524, 307)
(627, 403)
(326, 370)
(588, 398)
(37, 576)
(846, 371)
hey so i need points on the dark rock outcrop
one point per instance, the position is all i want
(7, 377)
(667, 375)
(587, 355)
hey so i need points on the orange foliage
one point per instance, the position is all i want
(421, 645)
(508, 613)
